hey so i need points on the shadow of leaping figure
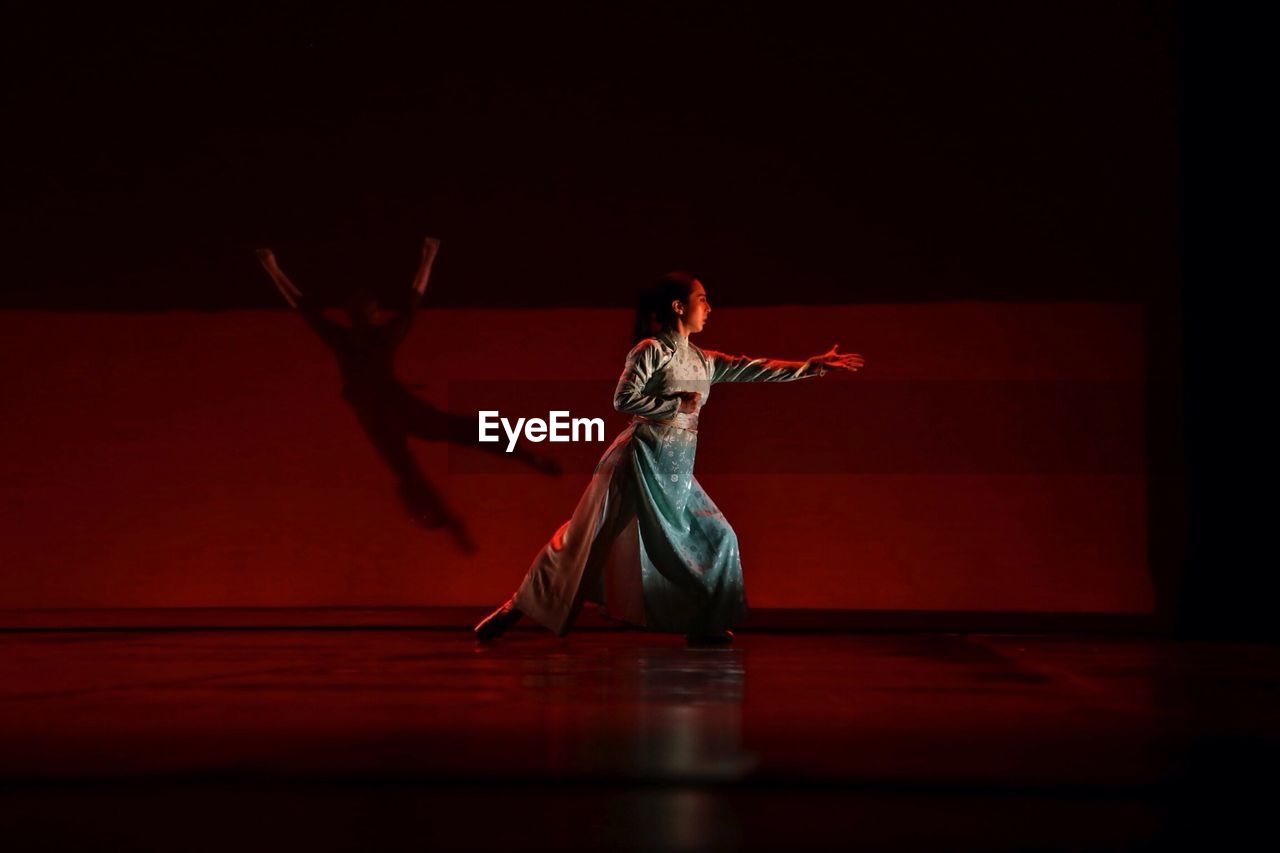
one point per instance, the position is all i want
(387, 410)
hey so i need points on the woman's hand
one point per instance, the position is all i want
(833, 360)
(690, 402)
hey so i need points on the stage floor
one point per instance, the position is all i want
(413, 739)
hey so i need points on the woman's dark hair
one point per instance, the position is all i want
(653, 308)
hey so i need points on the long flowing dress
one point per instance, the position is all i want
(645, 541)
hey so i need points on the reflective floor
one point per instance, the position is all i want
(354, 739)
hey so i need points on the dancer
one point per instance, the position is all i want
(646, 542)
(390, 412)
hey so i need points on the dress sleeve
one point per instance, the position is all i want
(630, 397)
(743, 368)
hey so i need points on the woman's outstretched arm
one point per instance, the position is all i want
(310, 312)
(430, 247)
(290, 293)
(630, 397)
(742, 368)
(398, 327)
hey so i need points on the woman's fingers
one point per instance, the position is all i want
(848, 361)
(689, 400)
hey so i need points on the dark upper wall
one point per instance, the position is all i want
(564, 156)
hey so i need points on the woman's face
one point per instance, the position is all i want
(696, 310)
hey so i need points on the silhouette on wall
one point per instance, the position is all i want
(387, 409)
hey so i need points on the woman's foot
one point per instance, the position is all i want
(725, 636)
(497, 622)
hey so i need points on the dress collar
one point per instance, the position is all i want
(674, 339)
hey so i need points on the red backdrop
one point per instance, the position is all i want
(990, 457)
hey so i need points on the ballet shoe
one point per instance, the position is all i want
(725, 636)
(497, 622)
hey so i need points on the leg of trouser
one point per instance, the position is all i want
(622, 497)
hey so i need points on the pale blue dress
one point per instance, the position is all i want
(645, 541)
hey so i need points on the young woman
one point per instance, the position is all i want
(646, 542)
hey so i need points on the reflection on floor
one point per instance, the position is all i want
(354, 739)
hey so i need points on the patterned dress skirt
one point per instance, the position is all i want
(645, 542)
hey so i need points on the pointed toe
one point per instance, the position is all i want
(497, 622)
(713, 638)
